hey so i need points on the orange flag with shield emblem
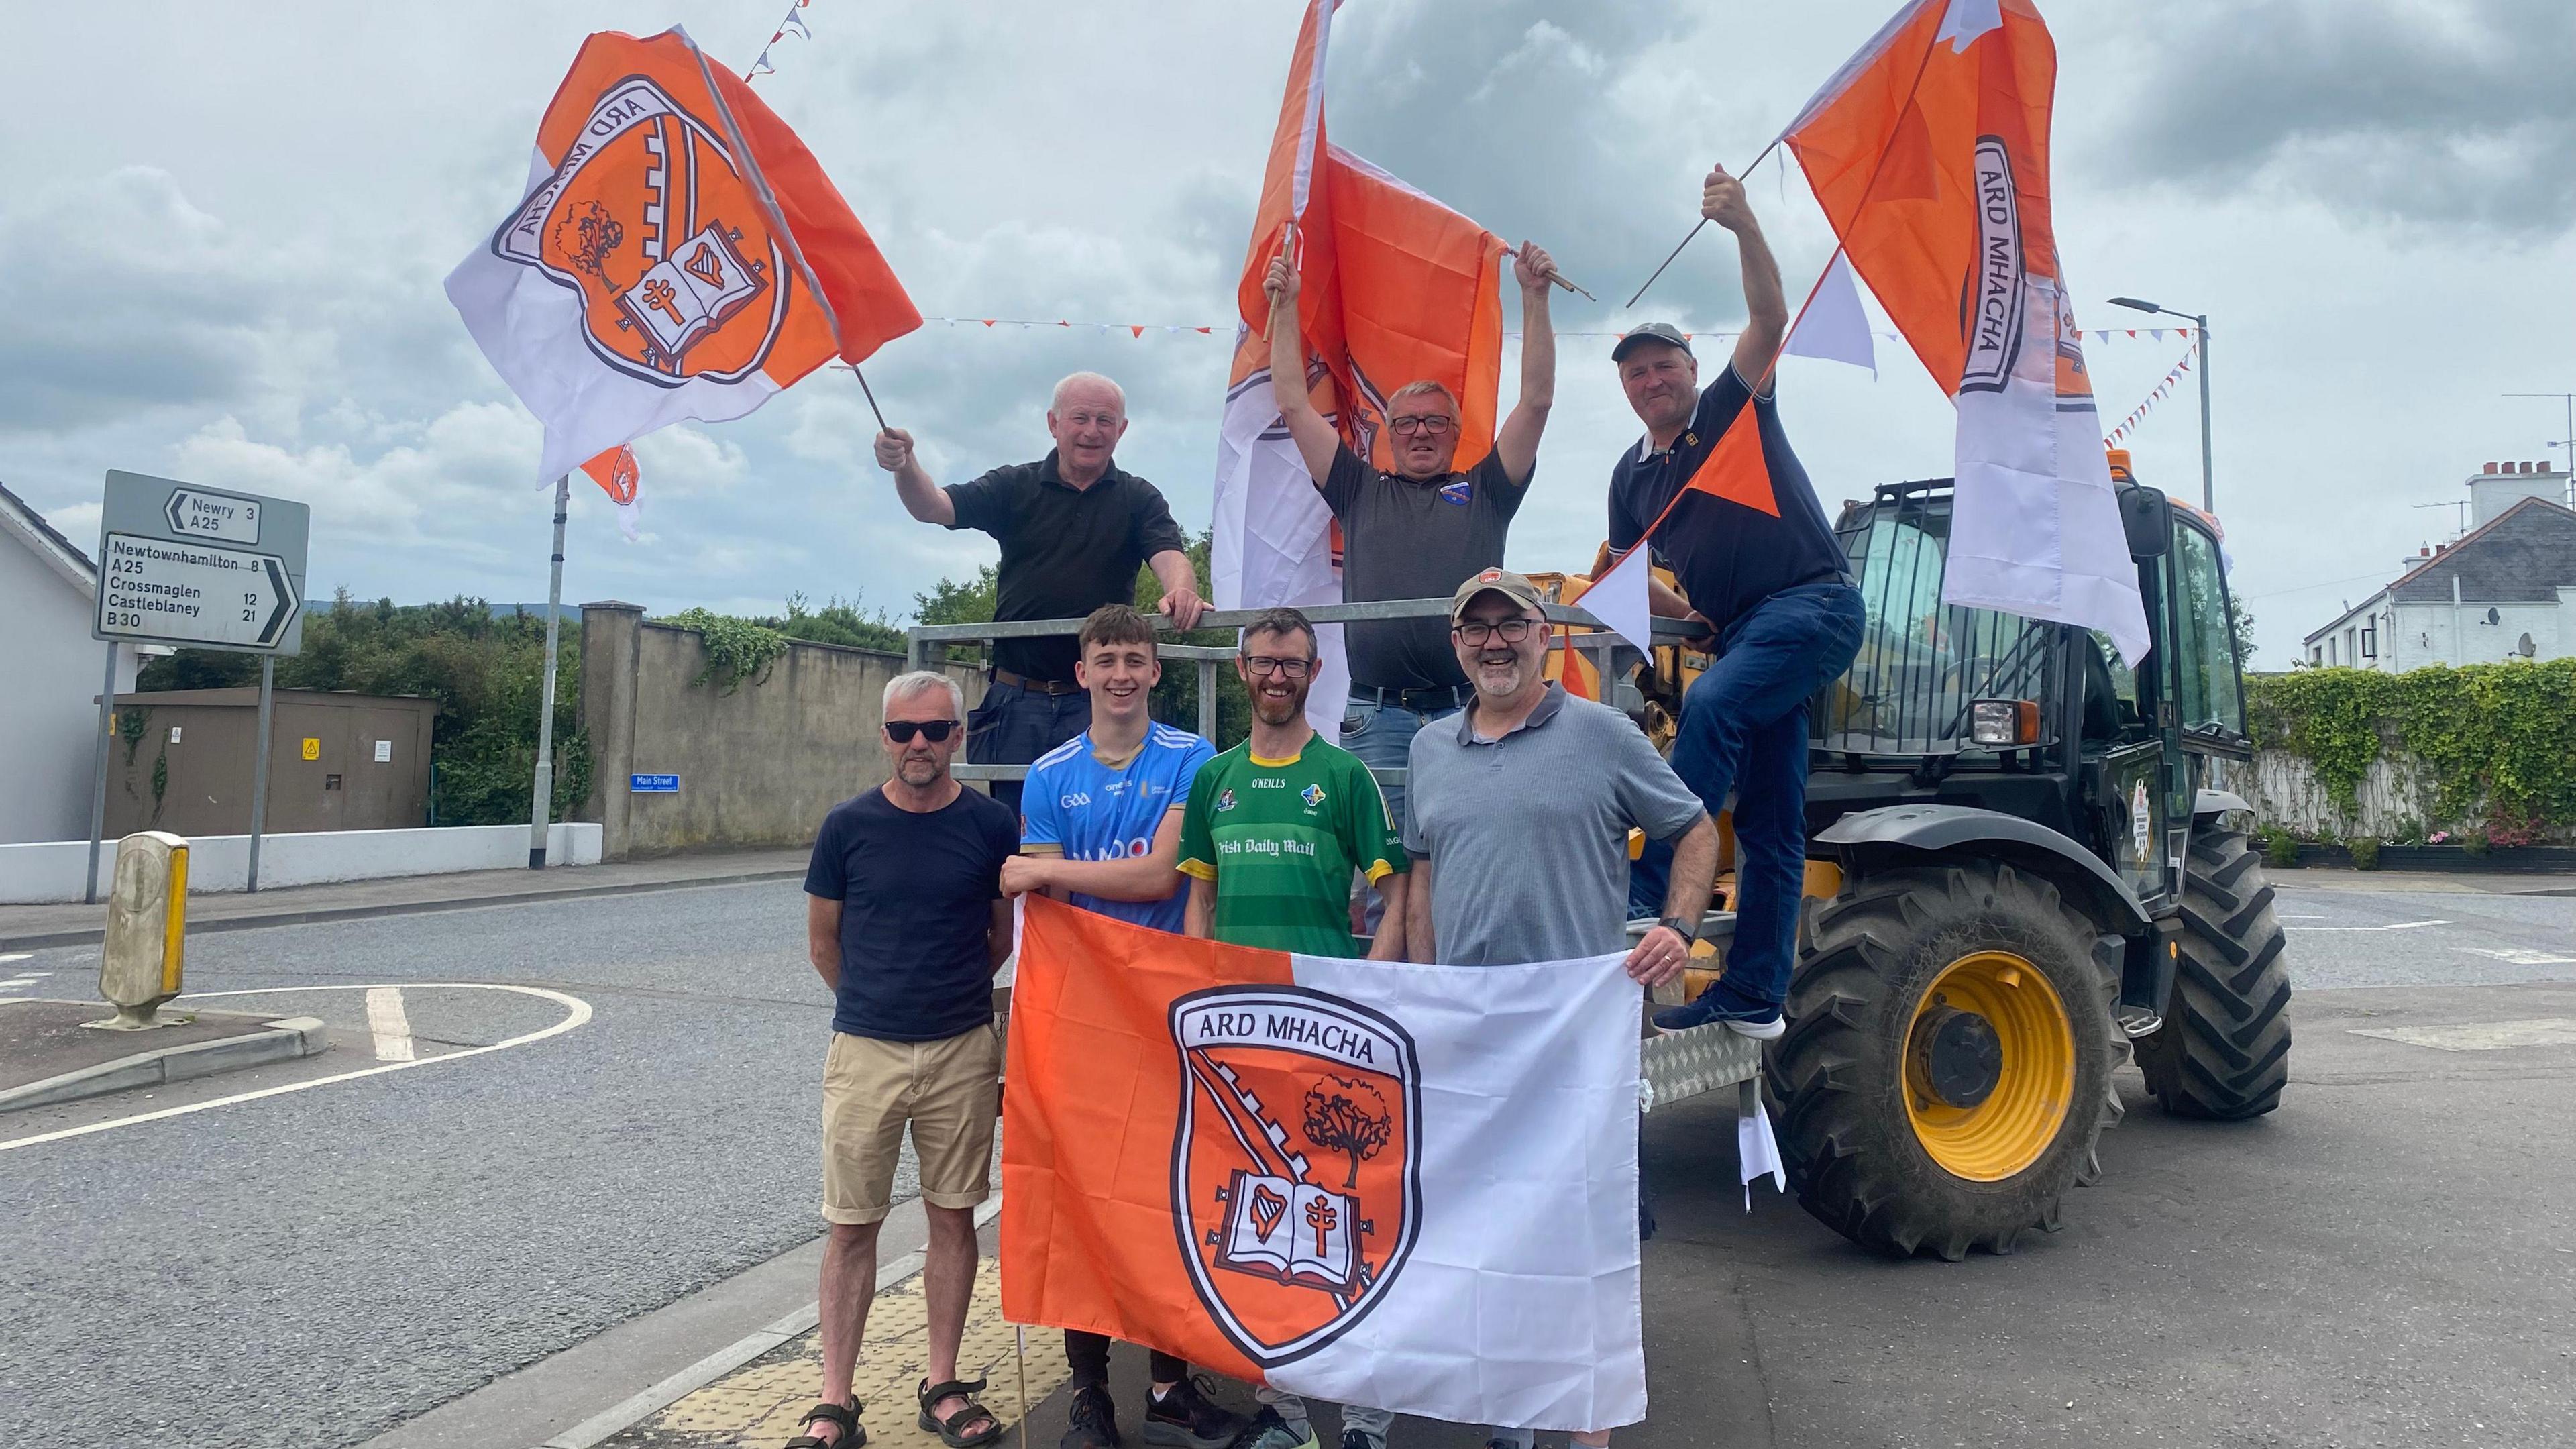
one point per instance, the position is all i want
(678, 254)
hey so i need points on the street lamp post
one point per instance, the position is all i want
(2200, 344)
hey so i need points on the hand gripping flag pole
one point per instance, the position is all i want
(871, 397)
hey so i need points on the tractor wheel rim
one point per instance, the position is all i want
(2012, 1127)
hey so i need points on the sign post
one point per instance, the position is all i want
(201, 568)
(541, 809)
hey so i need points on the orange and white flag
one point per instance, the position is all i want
(1394, 288)
(678, 254)
(1409, 1187)
(617, 476)
(1929, 152)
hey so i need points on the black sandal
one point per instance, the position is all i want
(852, 1435)
(946, 1429)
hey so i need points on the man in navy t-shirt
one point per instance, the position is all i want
(1776, 594)
(905, 921)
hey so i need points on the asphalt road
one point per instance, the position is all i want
(2384, 1261)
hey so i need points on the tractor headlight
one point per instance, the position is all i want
(2003, 723)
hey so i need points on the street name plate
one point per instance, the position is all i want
(653, 784)
(180, 563)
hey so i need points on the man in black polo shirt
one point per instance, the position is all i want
(1420, 531)
(1073, 530)
(1775, 592)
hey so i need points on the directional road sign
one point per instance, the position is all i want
(180, 563)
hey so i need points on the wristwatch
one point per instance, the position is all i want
(1679, 927)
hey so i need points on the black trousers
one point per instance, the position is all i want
(1089, 1355)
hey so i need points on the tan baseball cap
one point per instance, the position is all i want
(1512, 586)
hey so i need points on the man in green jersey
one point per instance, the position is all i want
(1272, 832)
(1276, 825)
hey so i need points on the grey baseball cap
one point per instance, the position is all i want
(1663, 332)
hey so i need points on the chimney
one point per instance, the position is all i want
(2505, 484)
(2486, 467)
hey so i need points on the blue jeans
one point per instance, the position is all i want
(1013, 726)
(1744, 729)
(1382, 736)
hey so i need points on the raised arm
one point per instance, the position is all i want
(1316, 441)
(1766, 307)
(922, 498)
(1517, 442)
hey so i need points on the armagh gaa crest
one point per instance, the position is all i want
(1296, 1169)
(652, 220)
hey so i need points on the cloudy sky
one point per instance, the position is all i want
(224, 226)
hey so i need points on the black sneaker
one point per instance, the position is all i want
(1361, 1439)
(1268, 1431)
(1187, 1419)
(1762, 1023)
(1093, 1422)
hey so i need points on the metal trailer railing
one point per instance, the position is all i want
(1675, 1065)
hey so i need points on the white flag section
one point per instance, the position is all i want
(1519, 1302)
(2035, 528)
(1619, 599)
(1833, 326)
(1757, 1151)
(1273, 536)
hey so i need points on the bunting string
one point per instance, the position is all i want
(792, 24)
(2155, 395)
(1227, 329)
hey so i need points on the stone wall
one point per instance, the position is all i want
(759, 766)
(2285, 792)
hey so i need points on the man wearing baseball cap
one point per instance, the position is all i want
(1517, 823)
(1781, 611)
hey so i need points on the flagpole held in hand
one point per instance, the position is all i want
(870, 396)
(1694, 231)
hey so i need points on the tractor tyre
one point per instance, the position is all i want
(1948, 1058)
(2224, 1051)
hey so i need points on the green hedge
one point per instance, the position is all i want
(2496, 742)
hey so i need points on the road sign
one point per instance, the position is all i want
(180, 563)
(196, 513)
(653, 784)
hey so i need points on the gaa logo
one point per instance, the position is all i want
(1225, 800)
(1313, 795)
(1296, 1171)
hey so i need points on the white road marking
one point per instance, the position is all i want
(2481, 1036)
(2393, 926)
(2519, 956)
(576, 1013)
(392, 1029)
(17, 981)
(15, 955)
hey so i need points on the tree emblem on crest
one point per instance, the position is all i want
(1349, 1117)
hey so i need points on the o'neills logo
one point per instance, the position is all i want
(652, 221)
(1992, 300)
(1296, 1182)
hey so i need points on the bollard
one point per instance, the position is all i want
(147, 923)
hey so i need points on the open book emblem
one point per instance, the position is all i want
(1296, 1185)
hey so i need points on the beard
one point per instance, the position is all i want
(918, 771)
(1279, 710)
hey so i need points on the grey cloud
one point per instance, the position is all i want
(2424, 112)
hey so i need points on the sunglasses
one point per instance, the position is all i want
(901, 731)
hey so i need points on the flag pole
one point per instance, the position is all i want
(541, 807)
(1694, 231)
(871, 397)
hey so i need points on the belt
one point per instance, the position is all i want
(1035, 686)
(1420, 701)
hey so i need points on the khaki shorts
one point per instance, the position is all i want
(948, 1090)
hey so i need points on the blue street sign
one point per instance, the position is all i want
(653, 784)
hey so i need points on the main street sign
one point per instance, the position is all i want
(184, 564)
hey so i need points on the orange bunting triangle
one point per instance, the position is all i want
(1734, 469)
(1139, 331)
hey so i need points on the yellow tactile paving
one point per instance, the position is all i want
(759, 1404)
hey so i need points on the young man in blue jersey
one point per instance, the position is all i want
(1101, 828)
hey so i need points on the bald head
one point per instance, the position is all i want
(1086, 418)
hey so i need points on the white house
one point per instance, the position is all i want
(49, 701)
(2506, 589)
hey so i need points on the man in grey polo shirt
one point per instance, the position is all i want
(1519, 815)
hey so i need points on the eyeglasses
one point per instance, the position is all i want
(1263, 664)
(901, 731)
(1510, 631)
(1430, 425)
